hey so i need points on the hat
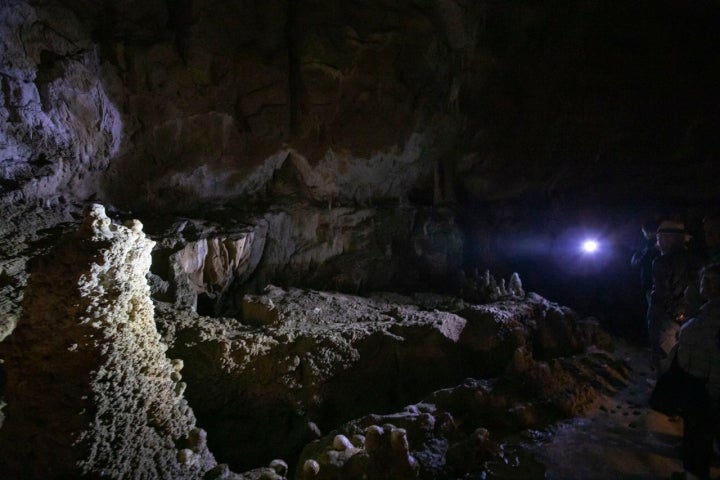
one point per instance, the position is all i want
(670, 226)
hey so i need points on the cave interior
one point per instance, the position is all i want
(316, 239)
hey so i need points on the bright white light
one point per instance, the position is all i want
(590, 246)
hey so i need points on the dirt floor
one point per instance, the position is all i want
(619, 439)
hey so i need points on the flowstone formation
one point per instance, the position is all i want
(90, 391)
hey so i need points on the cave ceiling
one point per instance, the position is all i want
(155, 104)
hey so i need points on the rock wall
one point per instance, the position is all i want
(170, 104)
(60, 128)
(163, 105)
(26, 231)
(90, 391)
(208, 263)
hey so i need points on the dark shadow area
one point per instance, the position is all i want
(251, 419)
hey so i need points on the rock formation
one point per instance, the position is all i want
(338, 194)
(282, 374)
(91, 390)
(89, 382)
(169, 105)
(464, 430)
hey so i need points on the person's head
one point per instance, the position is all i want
(710, 281)
(649, 229)
(671, 235)
(711, 229)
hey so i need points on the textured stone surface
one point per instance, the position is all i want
(89, 387)
(301, 361)
(26, 231)
(59, 127)
(468, 429)
(158, 104)
(490, 109)
(369, 144)
(209, 263)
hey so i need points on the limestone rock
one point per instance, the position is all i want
(26, 231)
(89, 387)
(295, 358)
(210, 265)
(461, 431)
(58, 124)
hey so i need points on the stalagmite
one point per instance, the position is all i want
(89, 387)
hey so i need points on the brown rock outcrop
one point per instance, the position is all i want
(468, 430)
(300, 361)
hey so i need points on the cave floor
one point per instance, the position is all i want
(619, 437)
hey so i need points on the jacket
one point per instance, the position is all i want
(642, 260)
(673, 273)
(697, 352)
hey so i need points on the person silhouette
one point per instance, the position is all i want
(642, 259)
(674, 274)
(699, 358)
